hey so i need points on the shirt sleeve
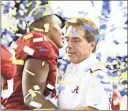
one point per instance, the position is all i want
(7, 68)
(39, 50)
(99, 92)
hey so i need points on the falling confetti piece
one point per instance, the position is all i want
(18, 62)
(115, 41)
(29, 72)
(36, 87)
(103, 26)
(99, 37)
(75, 33)
(109, 59)
(99, 76)
(14, 45)
(38, 39)
(108, 90)
(37, 29)
(28, 50)
(29, 18)
(98, 56)
(50, 86)
(111, 74)
(28, 36)
(104, 82)
(32, 92)
(35, 104)
(46, 26)
(43, 63)
(124, 92)
(88, 28)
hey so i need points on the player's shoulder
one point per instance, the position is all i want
(5, 52)
(34, 40)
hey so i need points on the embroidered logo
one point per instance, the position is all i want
(75, 90)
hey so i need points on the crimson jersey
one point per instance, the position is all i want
(32, 44)
(7, 68)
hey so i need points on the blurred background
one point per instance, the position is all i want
(109, 16)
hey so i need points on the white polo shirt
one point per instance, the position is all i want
(82, 88)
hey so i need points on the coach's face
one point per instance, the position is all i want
(77, 47)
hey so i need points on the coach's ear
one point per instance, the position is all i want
(93, 45)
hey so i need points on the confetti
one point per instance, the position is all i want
(46, 26)
(29, 72)
(22, 6)
(111, 74)
(19, 35)
(37, 29)
(5, 11)
(124, 92)
(28, 50)
(98, 56)
(104, 82)
(122, 65)
(103, 26)
(14, 45)
(33, 4)
(38, 39)
(99, 76)
(50, 86)
(28, 36)
(112, 29)
(18, 62)
(21, 12)
(32, 92)
(109, 59)
(36, 87)
(43, 63)
(108, 90)
(99, 37)
(35, 104)
(88, 28)
(115, 41)
(29, 18)
(75, 33)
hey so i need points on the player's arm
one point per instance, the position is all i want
(35, 75)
